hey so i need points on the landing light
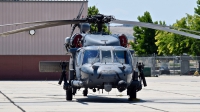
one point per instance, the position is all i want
(32, 32)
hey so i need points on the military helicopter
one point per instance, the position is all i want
(98, 60)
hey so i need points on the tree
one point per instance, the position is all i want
(194, 24)
(170, 43)
(197, 10)
(163, 39)
(173, 44)
(145, 37)
(94, 11)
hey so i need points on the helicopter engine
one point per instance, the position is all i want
(123, 40)
(73, 42)
(76, 41)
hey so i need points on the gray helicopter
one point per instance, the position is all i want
(98, 60)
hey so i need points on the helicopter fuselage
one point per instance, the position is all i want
(100, 61)
(103, 67)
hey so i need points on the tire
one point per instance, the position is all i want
(160, 73)
(85, 92)
(69, 95)
(132, 93)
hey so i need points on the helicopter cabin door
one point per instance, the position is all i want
(78, 64)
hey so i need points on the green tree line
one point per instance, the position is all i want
(150, 41)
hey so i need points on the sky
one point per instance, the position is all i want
(164, 10)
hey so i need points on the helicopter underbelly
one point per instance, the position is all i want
(98, 77)
(91, 83)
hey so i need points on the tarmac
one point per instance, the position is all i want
(163, 94)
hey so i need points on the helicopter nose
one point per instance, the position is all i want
(109, 73)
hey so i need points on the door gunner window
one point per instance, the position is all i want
(91, 56)
(106, 57)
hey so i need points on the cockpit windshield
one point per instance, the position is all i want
(121, 57)
(106, 56)
(91, 56)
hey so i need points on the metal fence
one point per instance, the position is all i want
(170, 65)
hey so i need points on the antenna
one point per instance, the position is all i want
(104, 41)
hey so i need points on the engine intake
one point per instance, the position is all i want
(76, 41)
(123, 40)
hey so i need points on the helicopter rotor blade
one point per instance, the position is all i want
(37, 22)
(80, 11)
(183, 29)
(78, 17)
(155, 26)
(45, 25)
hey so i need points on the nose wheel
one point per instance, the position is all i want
(94, 90)
(69, 94)
(85, 92)
(132, 93)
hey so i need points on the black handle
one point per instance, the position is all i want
(143, 79)
(62, 77)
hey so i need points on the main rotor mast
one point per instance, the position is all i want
(99, 19)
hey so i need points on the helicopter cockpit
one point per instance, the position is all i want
(101, 55)
(108, 64)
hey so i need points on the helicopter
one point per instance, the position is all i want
(98, 60)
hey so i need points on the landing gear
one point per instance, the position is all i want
(132, 92)
(69, 94)
(66, 85)
(74, 91)
(63, 65)
(94, 90)
(85, 92)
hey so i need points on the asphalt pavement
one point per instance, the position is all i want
(163, 94)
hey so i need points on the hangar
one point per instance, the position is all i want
(20, 53)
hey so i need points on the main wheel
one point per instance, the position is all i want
(160, 73)
(85, 92)
(132, 93)
(69, 95)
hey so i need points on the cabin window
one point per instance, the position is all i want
(91, 56)
(121, 57)
(106, 57)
